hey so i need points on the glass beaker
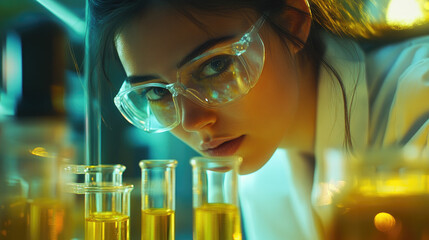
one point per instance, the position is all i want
(215, 198)
(158, 199)
(107, 201)
(49, 209)
(13, 209)
(376, 194)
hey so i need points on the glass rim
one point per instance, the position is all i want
(109, 188)
(152, 163)
(202, 160)
(82, 188)
(83, 169)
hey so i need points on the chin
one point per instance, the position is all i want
(247, 168)
(254, 162)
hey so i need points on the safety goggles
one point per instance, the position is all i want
(213, 79)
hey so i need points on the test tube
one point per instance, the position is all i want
(107, 201)
(158, 199)
(215, 198)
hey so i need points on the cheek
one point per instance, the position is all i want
(274, 98)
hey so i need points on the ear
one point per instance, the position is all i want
(297, 20)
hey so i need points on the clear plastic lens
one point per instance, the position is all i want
(215, 78)
(151, 108)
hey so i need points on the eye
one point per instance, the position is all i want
(155, 93)
(214, 66)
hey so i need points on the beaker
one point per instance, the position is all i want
(373, 194)
(50, 216)
(158, 199)
(215, 198)
(13, 209)
(107, 201)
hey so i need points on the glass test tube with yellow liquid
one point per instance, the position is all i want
(215, 198)
(158, 199)
(107, 202)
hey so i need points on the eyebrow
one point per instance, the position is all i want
(193, 54)
(202, 48)
(140, 79)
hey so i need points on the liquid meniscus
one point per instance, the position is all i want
(107, 226)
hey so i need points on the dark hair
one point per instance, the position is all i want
(108, 17)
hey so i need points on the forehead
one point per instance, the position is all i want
(157, 41)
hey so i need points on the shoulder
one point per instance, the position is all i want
(394, 60)
(398, 88)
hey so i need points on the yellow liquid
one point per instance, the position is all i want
(157, 224)
(396, 217)
(217, 221)
(48, 220)
(13, 219)
(107, 226)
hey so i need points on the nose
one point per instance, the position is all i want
(196, 117)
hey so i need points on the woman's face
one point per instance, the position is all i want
(252, 126)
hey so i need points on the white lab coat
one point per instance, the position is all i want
(390, 107)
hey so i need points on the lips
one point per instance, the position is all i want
(222, 147)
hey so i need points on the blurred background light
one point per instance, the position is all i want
(373, 20)
(402, 13)
(12, 73)
(65, 15)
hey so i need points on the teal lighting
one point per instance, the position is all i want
(65, 15)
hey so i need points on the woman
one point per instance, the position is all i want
(257, 78)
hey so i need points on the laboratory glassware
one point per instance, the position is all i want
(158, 199)
(374, 194)
(215, 198)
(13, 209)
(107, 201)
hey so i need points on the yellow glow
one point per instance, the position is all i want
(410, 183)
(404, 13)
(384, 222)
(236, 236)
(39, 151)
(327, 190)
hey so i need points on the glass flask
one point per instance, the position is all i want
(215, 198)
(377, 194)
(107, 201)
(158, 199)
